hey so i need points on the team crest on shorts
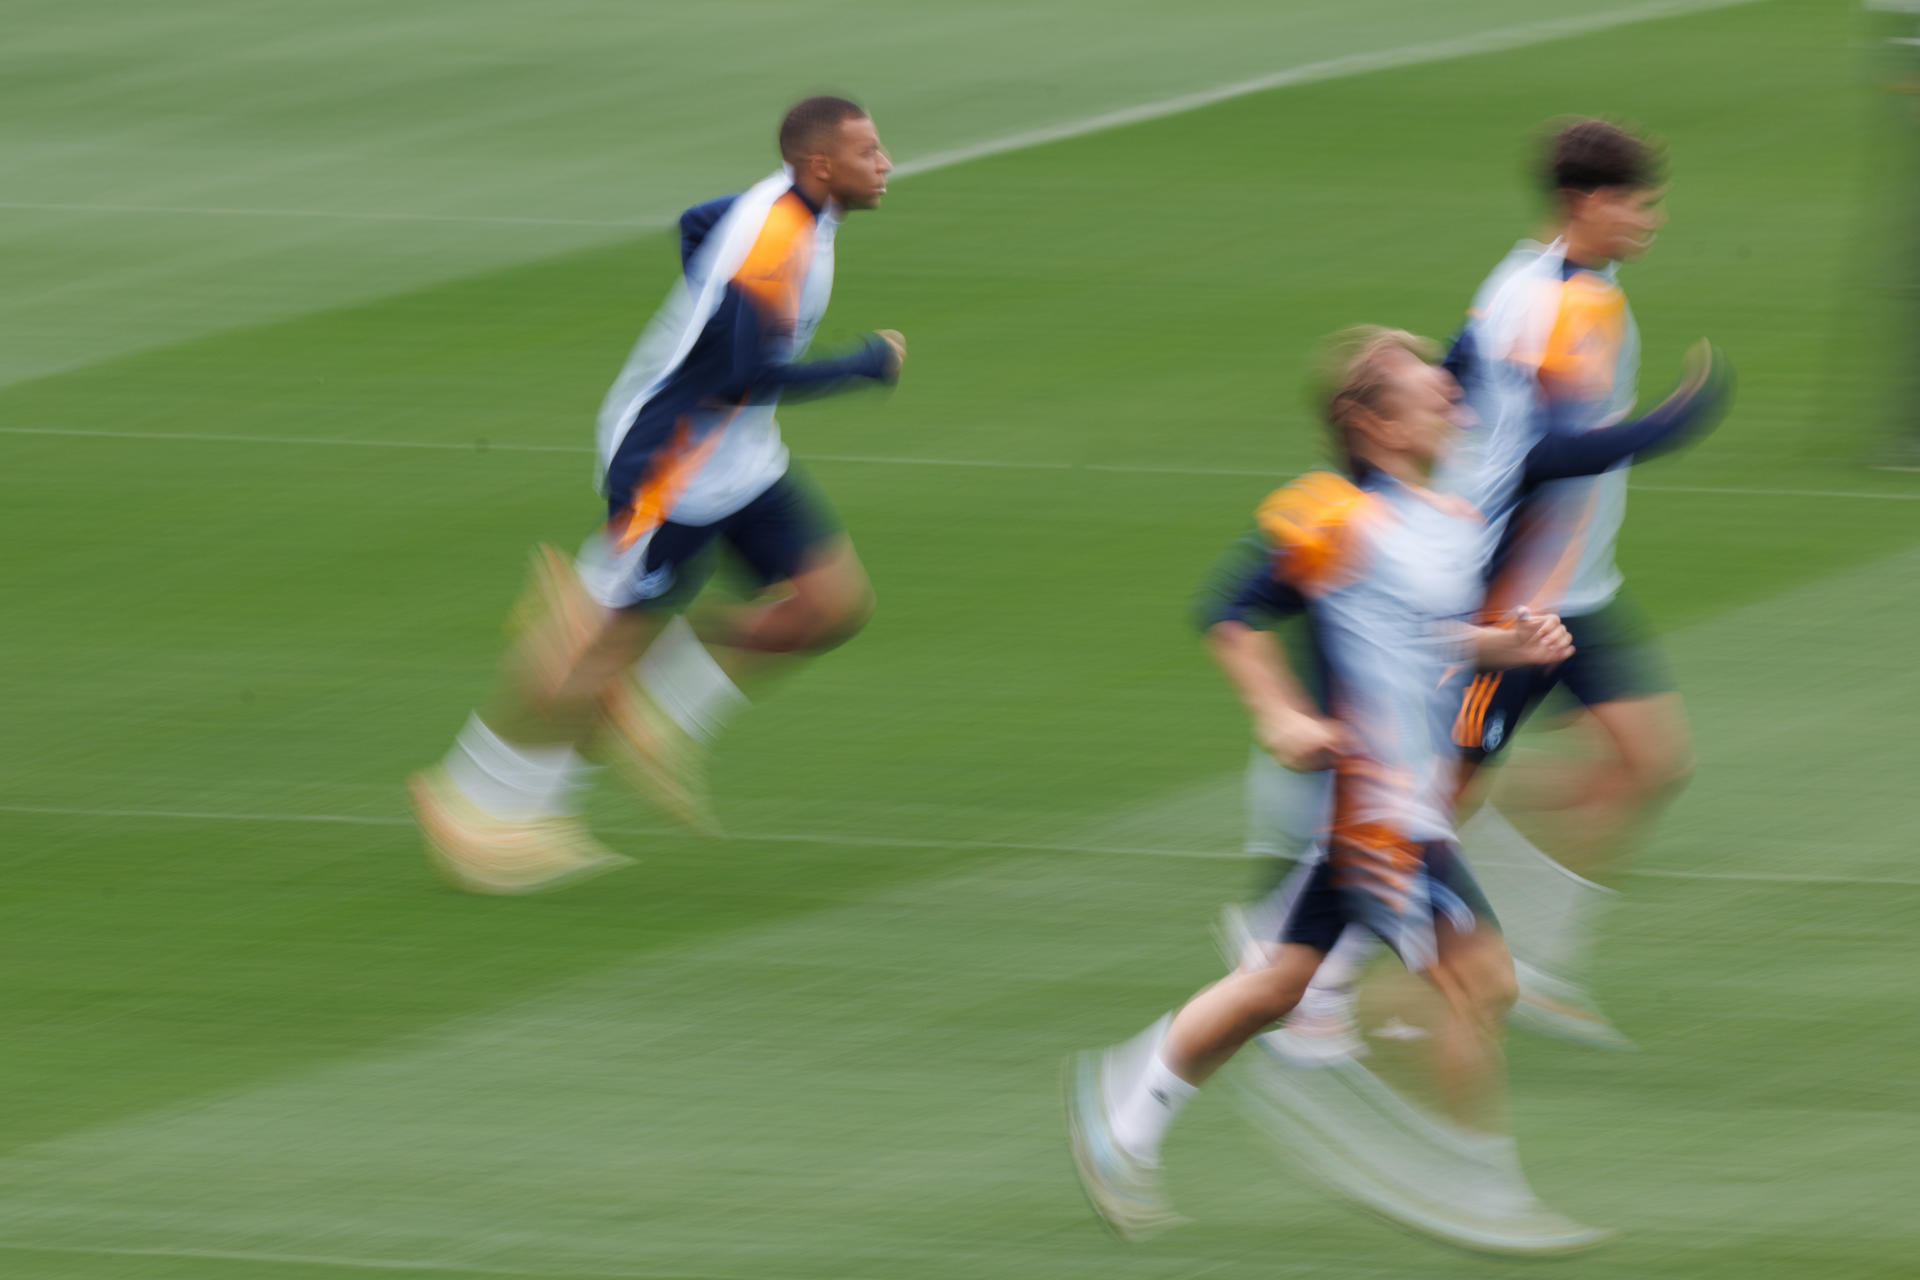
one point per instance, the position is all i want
(1495, 734)
(653, 583)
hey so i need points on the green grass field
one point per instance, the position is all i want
(307, 310)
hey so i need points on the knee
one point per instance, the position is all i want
(1654, 747)
(1678, 769)
(1276, 990)
(1485, 984)
(1663, 772)
(840, 618)
(1496, 989)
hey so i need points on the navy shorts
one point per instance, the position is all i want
(1614, 659)
(1329, 895)
(768, 540)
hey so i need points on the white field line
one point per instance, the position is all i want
(350, 1263)
(992, 464)
(1500, 39)
(207, 437)
(332, 215)
(883, 842)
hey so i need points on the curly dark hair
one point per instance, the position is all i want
(1588, 154)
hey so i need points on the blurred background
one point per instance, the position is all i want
(304, 314)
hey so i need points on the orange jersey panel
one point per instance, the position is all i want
(1582, 355)
(777, 263)
(1314, 525)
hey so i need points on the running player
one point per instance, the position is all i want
(690, 457)
(1387, 570)
(1550, 346)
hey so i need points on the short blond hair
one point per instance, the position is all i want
(1347, 371)
(1347, 375)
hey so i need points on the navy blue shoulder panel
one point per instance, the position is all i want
(1462, 356)
(696, 222)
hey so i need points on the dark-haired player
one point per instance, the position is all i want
(690, 461)
(1550, 348)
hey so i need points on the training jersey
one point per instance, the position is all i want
(1540, 320)
(1387, 575)
(687, 432)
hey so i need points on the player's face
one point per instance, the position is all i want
(857, 165)
(1625, 220)
(1417, 410)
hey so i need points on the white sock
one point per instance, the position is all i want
(683, 679)
(1548, 913)
(514, 782)
(1141, 1119)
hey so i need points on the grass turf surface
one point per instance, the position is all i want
(825, 1047)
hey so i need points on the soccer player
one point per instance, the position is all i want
(690, 459)
(1550, 347)
(1387, 570)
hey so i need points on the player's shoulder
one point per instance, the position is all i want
(698, 222)
(1315, 527)
(1536, 293)
(1318, 494)
(782, 242)
(1585, 290)
(1527, 262)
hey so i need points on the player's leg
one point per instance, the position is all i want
(814, 592)
(811, 593)
(1285, 814)
(645, 739)
(1474, 975)
(1454, 1174)
(500, 813)
(1651, 750)
(821, 604)
(1591, 814)
(1121, 1102)
(1548, 909)
(1479, 1196)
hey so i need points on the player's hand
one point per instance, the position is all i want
(1302, 743)
(1705, 376)
(1534, 640)
(1542, 639)
(896, 351)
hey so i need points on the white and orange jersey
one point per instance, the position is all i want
(1549, 345)
(687, 431)
(1389, 573)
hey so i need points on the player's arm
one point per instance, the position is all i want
(1528, 640)
(758, 370)
(1573, 447)
(1287, 720)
